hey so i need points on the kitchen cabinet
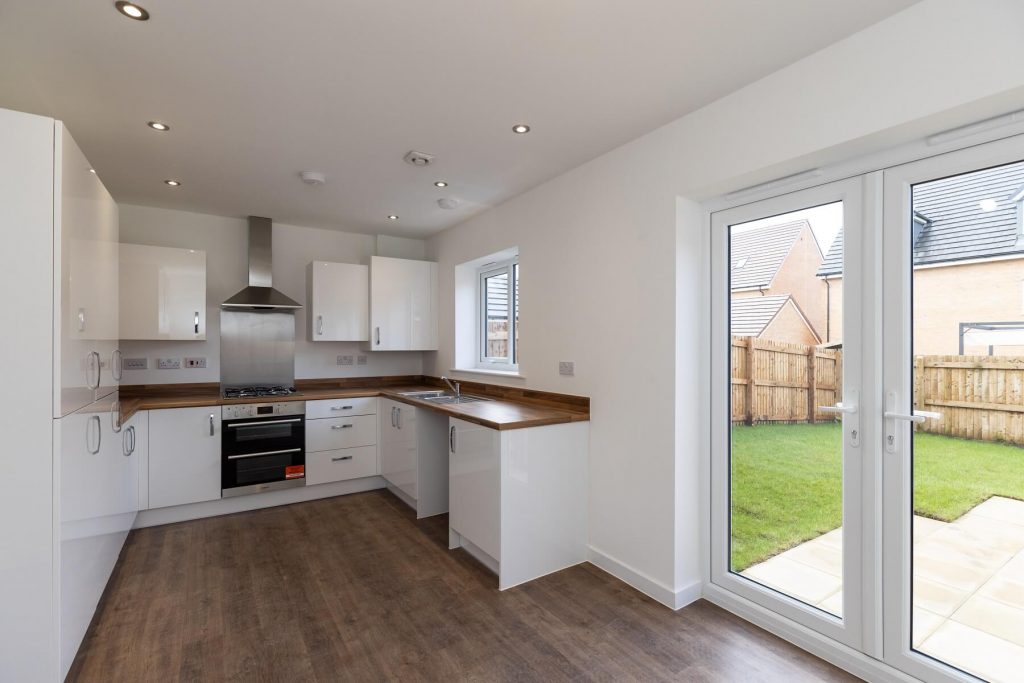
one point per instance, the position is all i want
(85, 323)
(413, 456)
(341, 440)
(162, 292)
(98, 501)
(403, 305)
(518, 497)
(184, 456)
(337, 302)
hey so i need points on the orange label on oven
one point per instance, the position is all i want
(294, 471)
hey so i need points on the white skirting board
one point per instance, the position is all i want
(227, 506)
(673, 599)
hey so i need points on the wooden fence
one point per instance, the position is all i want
(980, 397)
(779, 382)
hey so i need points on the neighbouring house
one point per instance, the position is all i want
(968, 233)
(775, 294)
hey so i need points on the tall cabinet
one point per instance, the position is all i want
(60, 266)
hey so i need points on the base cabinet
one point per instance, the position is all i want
(184, 456)
(414, 458)
(519, 497)
(341, 440)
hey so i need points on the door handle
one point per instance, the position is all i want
(196, 322)
(399, 414)
(126, 447)
(99, 435)
(211, 423)
(378, 336)
(839, 408)
(115, 416)
(341, 407)
(892, 416)
(116, 367)
(344, 457)
(81, 320)
(320, 324)
(131, 430)
(264, 453)
(451, 439)
(341, 426)
(96, 355)
(848, 410)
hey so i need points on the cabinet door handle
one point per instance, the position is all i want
(131, 430)
(399, 414)
(94, 358)
(116, 366)
(341, 407)
(196, 319)
(115, 416)
(211, 423)
(341, 426)
(378, 336)
(81, 320)
(393, 418)
(320, 324)
(126, 447)
(344, 457)
(99, 435)
(451, 438)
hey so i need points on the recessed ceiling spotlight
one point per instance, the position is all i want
(313, 177)
(156, 125)
(172, 183)
(131, 10)
(392, 217)
(520, 128)
(92, 170)
(440, 183)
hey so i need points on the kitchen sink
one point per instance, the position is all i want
(443, 397)
(426, 394)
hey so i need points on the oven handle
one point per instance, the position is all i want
(256, 455)
(242, 425)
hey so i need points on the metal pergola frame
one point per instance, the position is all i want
(989, 326)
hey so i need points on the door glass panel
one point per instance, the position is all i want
(968, 452)
(786, 452)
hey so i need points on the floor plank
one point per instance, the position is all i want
(354, 588)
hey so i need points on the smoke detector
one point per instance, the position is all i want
(418, 158)
(447, 203)
(313, 177)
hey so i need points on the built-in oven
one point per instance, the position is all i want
(263, 447)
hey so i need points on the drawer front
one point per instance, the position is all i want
(341, 407)
(341, 432)
(338, 465)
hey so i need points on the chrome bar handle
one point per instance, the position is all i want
(399, 417)
(131, 430)
(95, 355)
(99, 434)
(126, 448)
(344, 457)
(212, 416)
(393, 422)
(196, 322)
(320, 324)
(116, 364)
(243, 425)
(115, 416)
(341, 426)
(451, 439)
(259, 455)
(378, 336)
(341, 407)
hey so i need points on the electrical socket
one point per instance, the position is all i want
(566, 368)
(168, 363)
(135, 364)
(195, 362)
(361, 360)
(344, 360)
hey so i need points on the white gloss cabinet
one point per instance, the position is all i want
(184, 456)
(338, 298)
(413, 456)
(518, 497)
(403, 305)
(162, 293)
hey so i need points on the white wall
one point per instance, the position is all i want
(612, 253)
(225, 242)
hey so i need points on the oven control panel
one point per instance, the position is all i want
(248, 410)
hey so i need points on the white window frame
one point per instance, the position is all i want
(509, 267)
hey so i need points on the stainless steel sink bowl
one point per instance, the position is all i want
(426, 394)
(443, 397)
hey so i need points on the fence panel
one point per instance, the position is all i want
(779, 382)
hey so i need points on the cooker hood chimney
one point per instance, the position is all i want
(260, 293)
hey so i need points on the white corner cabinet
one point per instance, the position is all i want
(184, 456)
(63, 499)
(403, 305)
(162, 292)
(519, 497)
(414, 459)
(338, 300)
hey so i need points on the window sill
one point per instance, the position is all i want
(513, 374)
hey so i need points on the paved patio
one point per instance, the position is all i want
(968, 586)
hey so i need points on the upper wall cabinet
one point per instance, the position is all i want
(337, 301)
(403, 305)
(163, 292)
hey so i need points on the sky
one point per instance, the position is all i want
(825, 220)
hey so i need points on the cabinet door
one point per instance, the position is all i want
(162, 293)
(184, 456)
(339, 301)
(474, 484)
(398, 448)
(86, 321)
(403, 304)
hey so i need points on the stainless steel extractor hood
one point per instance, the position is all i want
(260, 294)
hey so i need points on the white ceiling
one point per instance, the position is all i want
(257, 91)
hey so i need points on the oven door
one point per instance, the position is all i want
(263, 454)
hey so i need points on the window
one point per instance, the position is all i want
(498, 326)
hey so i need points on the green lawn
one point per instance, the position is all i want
(787, 480)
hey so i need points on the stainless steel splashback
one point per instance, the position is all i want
(257, 347)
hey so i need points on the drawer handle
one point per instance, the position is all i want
(340, 426)
(341, 407)
(263, 453)
(344, 457)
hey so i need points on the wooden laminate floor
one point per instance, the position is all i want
(355, 589)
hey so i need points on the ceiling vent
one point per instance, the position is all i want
(313, 177)
(418, 158)
(448, 203)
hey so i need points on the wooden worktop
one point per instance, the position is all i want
(511, 408)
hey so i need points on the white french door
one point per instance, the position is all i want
(788, 437)
(953, 320)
